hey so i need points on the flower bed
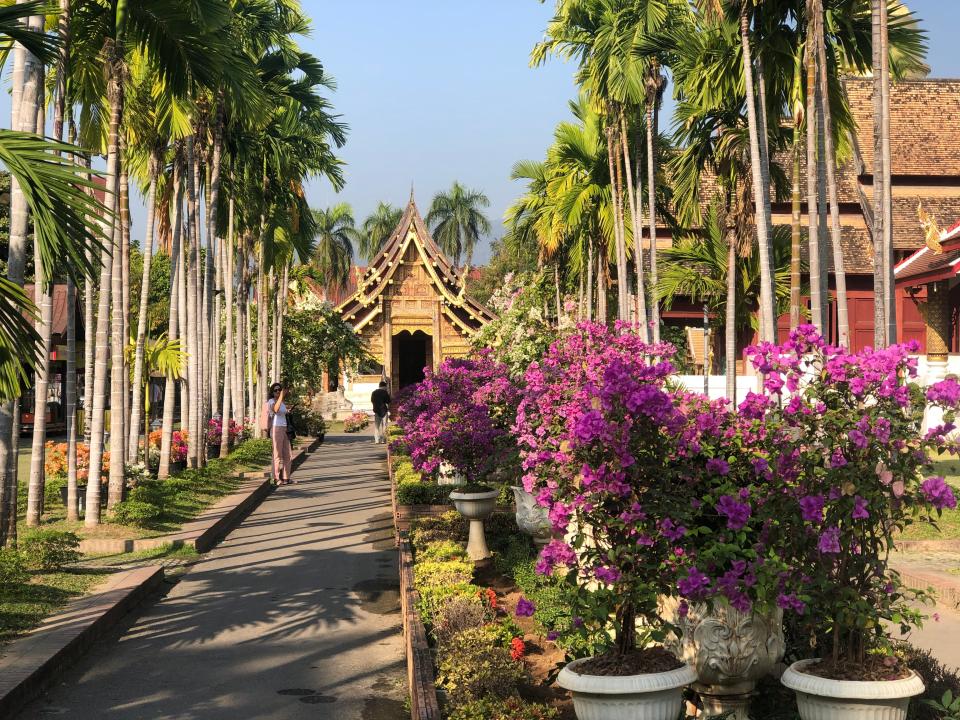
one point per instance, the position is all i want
(355, 422)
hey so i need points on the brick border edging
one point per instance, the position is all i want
(927, 545)
(420, 678)
(947, 590)
(32, 663)
(212, 524)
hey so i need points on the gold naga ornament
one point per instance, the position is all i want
(931, 230)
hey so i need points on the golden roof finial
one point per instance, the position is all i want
(462, 282)
(931, 230)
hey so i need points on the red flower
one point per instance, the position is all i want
(517, 648)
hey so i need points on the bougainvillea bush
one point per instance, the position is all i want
(461, 413)
(355, 422)
(598, 431)
(854, 469)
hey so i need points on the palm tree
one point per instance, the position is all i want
(376, 229)
(333, 244)
(457, 221)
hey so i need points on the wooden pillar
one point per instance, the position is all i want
(938, 320)
(387, 344)
(437, 342)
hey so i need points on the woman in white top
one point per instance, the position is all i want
(277, 413)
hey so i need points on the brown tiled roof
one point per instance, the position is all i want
(924, 262)
(857, 251)
(907, 234)
(58, 324)
(924, 127)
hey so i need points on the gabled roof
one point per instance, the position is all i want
(928, 264)
(362, 306)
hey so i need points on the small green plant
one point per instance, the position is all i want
(469, 669)
(136, 512)
(947, 707)
(13, 569)
(49, 549)
(443, 550)
(496, 708)
(449, 526)
(437, 581)
(422, 493)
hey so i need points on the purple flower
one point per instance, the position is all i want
(590, 426)
(578, 622)
(946, 392)
(552, 635)
(811, 507)
(694, 585)
(791, 602)
(858, 439)
(525, 608)
(938, 493)
(683, 609)
(608, 575)
(718, 466)
(829, 541)
(737, 513)
(671, 531)
(860, 511)
(837, 459)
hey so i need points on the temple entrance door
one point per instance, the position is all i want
(413, 352)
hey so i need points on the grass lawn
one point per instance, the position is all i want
(164, 552)
(24, 605)
(180, 499)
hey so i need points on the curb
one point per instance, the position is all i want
(420, 677)
(213, 523)
(32, 663)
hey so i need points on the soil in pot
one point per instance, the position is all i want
(874, 668)
(639, 662)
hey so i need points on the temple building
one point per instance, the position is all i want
(411, 309)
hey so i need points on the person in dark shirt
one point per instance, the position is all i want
(381, 409)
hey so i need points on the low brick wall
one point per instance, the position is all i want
(420, 677)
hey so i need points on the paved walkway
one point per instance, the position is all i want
(295, 615)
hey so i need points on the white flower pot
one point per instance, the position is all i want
(824, 699)
(532, 518)
(447, 474)
(730, 650)
(476, 507)
(656, 696)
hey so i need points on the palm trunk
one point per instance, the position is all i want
(731, 318)
(795, 281)
(817, 291)
(589, 279)
(602, 287)
(843, 324)
(618, 229)
(228, 331)
(652, 214)
(125, 247)
(174, 331)
(879, 176)
(138, 412)
(284, 291)
(118, 438)
(890, 288)
(262, 307)
(193, 311)
(182, 312)
(634, 202)
(760, 192)
(273, 292)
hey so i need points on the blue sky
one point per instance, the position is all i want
(441, 90)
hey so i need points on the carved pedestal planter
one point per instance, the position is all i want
(532, 518)
(447, 474)
(824, 699)
(657, 696)
(730, 651)
(476, 507)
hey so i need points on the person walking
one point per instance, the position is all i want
(380, 399)
(275, 411)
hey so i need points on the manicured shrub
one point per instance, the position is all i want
(449, 526)
(511, 708)
(135, 512)
(459, 614)
(443, 550)
(470, 669)
(13, 569)
(49, 549)
(439, 581)
(422, 493)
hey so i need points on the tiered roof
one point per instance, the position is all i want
(363, 305)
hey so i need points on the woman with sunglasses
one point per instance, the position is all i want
(276, 411)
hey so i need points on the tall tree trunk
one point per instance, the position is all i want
(273, 293)
(602, 286)
(138, 412)
(193, 310)
(618, 226)
(843, 324)
(118, 438)
(175, 330)
(26, 100)
(652, 111)
(761, 192)
(182, 311)
(879, 176)
(889, 288)
(633, 200)
(817, 291)
(731, 317)
(795, 278)
(282, 310)
(590, 279)
(125, 275)
(228, 330)
(263, 305)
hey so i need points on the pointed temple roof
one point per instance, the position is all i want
(938, 260)
(371, 282)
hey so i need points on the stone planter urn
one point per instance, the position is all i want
(447, 474)
(476, 507)
(825, 699)
(532, 518)
(730, 651)
(655, 696)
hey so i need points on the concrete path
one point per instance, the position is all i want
(295, 615)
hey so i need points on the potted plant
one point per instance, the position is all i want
(598, 431)
(732, 572)
(214, 437)
(476, 502)
(532, 518)
(856, 469)
(178, 452)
